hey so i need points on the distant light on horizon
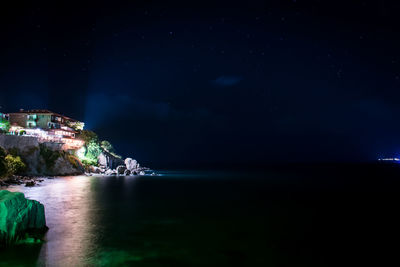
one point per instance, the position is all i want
(389, 159)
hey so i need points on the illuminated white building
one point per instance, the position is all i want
(47, 126)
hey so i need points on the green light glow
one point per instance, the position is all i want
(18, 217)
(80, 153)
(4, 125)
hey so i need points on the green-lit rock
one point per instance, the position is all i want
(20, 218)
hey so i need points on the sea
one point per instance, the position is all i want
(286, 215)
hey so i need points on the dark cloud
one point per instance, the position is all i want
(227, 80)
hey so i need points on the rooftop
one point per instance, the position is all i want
(43, 111)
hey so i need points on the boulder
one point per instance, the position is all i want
(131, 164)
(96, 170)
(66, 166)
(30, 183)
(110, 172)
(121, 169)
(20, 218)
(108, 160)
(127, 172)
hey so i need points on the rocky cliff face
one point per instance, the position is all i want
(109, 161)
(20, 218)
(41, 158)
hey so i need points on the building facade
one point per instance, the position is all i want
(48, 126)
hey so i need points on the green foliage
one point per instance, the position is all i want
(4, 125)
(88, 136)
(93, 147)
(86, 163)
(14, 165)
(49, 156)
(77, 126)
(93, 151)
(107, 146)
(10, 163)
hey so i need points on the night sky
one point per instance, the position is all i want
(200, 84)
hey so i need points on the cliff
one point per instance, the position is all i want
(109, 161)
(20, 218)
(41, 158)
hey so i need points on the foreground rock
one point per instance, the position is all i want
(20, 218)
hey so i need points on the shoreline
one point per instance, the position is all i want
(21, 179)
(30, 181)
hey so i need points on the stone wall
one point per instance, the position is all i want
(22, 143)
(109, 161)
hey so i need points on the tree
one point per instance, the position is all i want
(93, 151)
(107, 146)
(14, 164)
(88, 136)
(4, 125)
(77, 126)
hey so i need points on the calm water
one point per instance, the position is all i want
(298, 216)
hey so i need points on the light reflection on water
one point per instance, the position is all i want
(177, 219)
(276, 218)
(71, 218)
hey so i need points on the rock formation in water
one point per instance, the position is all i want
(109, 161)
(20, 218)
(131, 164)
(110, 164)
